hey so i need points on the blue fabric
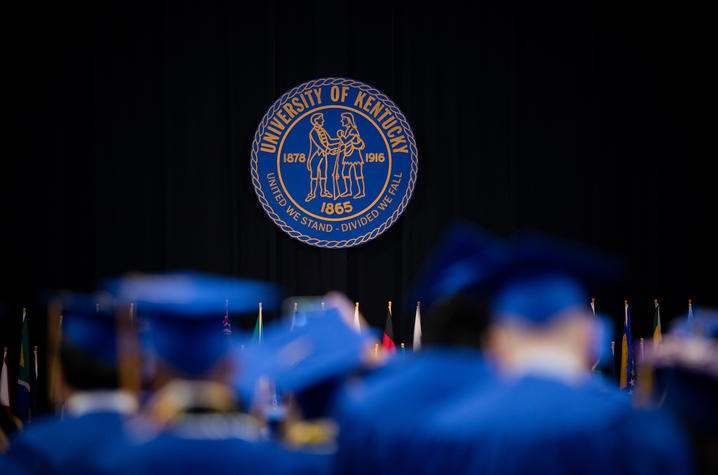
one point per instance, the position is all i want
(168, 453)
(188, 294)
(530, 425)
(397, 400)
(316, 354)
(88, 328)
(539, 298)
(185, 311)
(53, 446)
(464, 258)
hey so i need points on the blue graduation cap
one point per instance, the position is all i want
(464, 258)
(313, 355)
(540, 277)
(89, 325)
(184, 313)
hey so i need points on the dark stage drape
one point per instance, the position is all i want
(130, 125)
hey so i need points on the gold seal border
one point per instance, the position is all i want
(322, 242)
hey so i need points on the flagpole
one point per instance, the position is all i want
(260, 322)
(294, 315)
(641, 347)
(357, 325)
(657, 337)
(4, 383)
(35, 351)
(690, 309)
(128, 350)
(416, 344)
(54, 338)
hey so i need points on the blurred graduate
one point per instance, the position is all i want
(294, 376)
(530, 405)
(193, 421)
(94, 405)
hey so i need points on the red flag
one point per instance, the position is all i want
(387, 343)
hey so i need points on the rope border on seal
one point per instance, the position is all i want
(412, 175)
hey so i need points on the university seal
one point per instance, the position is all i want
(334, 162)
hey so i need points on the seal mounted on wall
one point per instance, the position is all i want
(334, 162)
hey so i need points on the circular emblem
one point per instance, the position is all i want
(334, 162)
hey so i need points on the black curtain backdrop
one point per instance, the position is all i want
(130, 125)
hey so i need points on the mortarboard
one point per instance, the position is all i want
(184, 313)
(313, 355)
(540, 277)
(465, 256)
(89, 325)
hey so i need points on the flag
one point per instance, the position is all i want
(417, 328)
(357, 325)
(227, 326)
(597, 365)
(657, 338)
(257, 336)
(387, 342)
(4, 386)
(22, 400)
(690, 309)
(627, 364)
